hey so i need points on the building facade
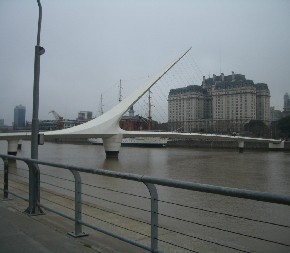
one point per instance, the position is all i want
(286, 107)
(19, 116)
(221, 104)
(275, 115)
(84, 116)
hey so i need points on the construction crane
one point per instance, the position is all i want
(58, 119)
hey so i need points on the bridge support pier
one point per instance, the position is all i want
(276, 146)
(12, 147)
(241, 146)
(112, 146)
(19, 146)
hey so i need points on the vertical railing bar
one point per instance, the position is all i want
(5, 188)
(78, 206)
(154, 216)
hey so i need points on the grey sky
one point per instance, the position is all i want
(91, 44)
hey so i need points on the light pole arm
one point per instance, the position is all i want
(39, 22)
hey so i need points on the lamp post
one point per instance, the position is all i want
(35, 121)
(34, 174)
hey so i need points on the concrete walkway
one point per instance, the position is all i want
(48, 233)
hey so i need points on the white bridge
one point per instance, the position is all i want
(107, 126)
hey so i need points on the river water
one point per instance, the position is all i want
(252, 170)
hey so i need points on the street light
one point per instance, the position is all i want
(35, 121)
(34, 174)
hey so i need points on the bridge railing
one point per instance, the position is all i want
(151, 220)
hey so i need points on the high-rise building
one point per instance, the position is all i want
(19, 116)
(286, 107)
(84, 116)
(188, 108)
(262, 102)
(220, 104)
(275, 115)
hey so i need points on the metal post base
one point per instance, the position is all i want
(73, 234)
(112, 154)
(34, 211)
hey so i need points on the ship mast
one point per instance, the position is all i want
(101, 106)
(120, 91)
(149, 113)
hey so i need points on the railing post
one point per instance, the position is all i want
(78, 206)
(154, 216)
(5, 190)
(34, 190)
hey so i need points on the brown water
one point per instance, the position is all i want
(260, 171)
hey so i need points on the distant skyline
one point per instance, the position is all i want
(90, 45)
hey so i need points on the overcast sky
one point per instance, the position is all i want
(92, 44)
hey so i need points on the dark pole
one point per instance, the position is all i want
(35, 121)
(34, 174)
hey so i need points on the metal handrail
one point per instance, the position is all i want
(220, 190)
(150, 183)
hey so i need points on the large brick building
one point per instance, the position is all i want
(221, 104)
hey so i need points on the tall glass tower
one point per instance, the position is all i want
(19, 116)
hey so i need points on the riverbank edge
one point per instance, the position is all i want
(224, 144)
(186, 143)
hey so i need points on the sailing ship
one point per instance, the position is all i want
(136, 141)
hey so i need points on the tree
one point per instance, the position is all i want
(257, 127)
(284, 126)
